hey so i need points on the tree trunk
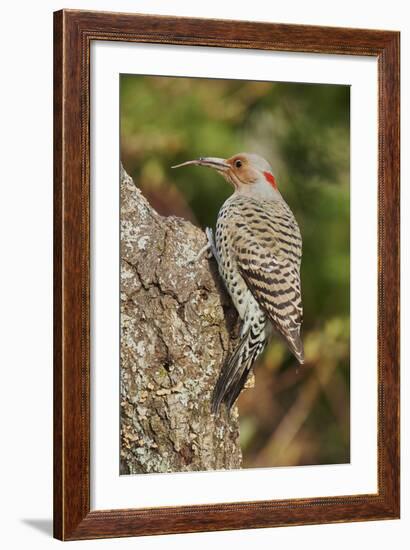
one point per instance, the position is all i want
(177, 327)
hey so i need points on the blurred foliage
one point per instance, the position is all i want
(293, 415)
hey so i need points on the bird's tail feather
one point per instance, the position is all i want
(295, 345)
(236, 370)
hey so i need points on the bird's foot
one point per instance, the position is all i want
(209, 250)
(210, 236)
(205, 251)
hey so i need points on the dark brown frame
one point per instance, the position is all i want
(73, 33)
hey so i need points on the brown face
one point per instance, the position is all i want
(241, 171)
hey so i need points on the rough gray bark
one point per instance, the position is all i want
(177, 327)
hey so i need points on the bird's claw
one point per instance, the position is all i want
(209, 250)
(210, 236)
(205, 251)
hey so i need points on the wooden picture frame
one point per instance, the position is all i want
(74, 32)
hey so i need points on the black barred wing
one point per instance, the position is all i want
(268, 254)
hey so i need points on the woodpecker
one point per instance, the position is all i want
(258, 249)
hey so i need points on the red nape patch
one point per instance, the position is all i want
(270, 179)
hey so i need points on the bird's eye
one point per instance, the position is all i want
(238, 163)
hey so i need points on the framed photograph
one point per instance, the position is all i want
(226, 275)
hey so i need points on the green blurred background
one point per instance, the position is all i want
(292, 416)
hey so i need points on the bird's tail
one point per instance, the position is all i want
(236, 370)
(295, 344)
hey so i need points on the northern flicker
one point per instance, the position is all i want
(258, 248)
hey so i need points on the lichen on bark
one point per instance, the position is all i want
(177, 327)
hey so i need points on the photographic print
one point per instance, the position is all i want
(226, 275)
(235, 274)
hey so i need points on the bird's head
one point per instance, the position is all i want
(249, 173)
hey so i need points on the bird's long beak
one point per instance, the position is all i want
(211, 162)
